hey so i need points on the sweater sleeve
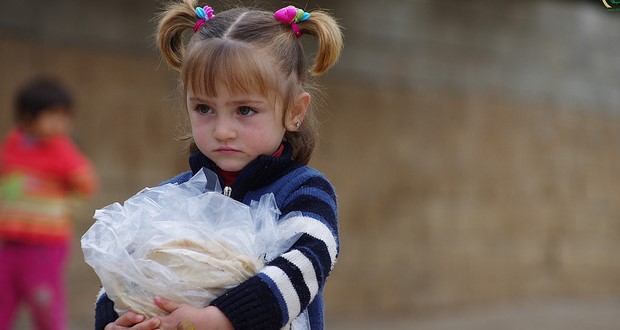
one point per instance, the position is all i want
(79, 172)
(104, 311)
(287, 285)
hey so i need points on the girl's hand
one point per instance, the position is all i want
(186, 317)
(133, 321)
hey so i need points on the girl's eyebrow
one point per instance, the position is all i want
(196, 98)
(245, 101)
(240, 101)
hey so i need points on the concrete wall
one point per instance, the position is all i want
(473, 144)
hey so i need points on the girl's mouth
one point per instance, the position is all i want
(226, 150)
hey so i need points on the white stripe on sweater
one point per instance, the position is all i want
(305, 266)
(292, 228)
(283, 282)
(313, 227)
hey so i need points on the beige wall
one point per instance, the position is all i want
(474, 148)
(463, 201)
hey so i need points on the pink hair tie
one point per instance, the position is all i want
(204, 14)
(292, 15)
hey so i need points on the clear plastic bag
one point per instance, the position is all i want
(180, 242)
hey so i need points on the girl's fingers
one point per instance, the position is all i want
(152, 324)
(129, 319)
(134, 321)
(165, 304)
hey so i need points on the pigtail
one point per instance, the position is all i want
(327, 31)
(178, 18)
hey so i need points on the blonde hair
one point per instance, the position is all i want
(249, 50)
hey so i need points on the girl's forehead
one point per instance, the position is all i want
(238, 67)
(223, 93)
(234, 87)
(224, 87)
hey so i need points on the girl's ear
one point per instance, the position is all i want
(296, 116)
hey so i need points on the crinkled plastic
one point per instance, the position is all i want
(180, 242)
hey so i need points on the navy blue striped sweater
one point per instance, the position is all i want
(293, 282)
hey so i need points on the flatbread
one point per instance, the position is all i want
(205, 265)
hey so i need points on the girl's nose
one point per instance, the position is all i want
(224, 129)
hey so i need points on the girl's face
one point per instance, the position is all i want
(232, 130)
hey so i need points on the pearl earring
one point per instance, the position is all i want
(297, 124)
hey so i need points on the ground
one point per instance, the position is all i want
(562, 314)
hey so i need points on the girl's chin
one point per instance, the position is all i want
(228, 167)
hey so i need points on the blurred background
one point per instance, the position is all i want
(473, 144)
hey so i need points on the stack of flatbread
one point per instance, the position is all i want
(183, 242)
(206, 265)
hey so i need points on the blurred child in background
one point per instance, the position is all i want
(40, 170)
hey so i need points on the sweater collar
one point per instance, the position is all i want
(198, 160)
(260, 172)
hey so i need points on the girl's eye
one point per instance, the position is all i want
(246, 111)
(202, 108)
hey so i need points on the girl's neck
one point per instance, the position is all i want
(228, 176)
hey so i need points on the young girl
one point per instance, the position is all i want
(246, 90)
(40, 169)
